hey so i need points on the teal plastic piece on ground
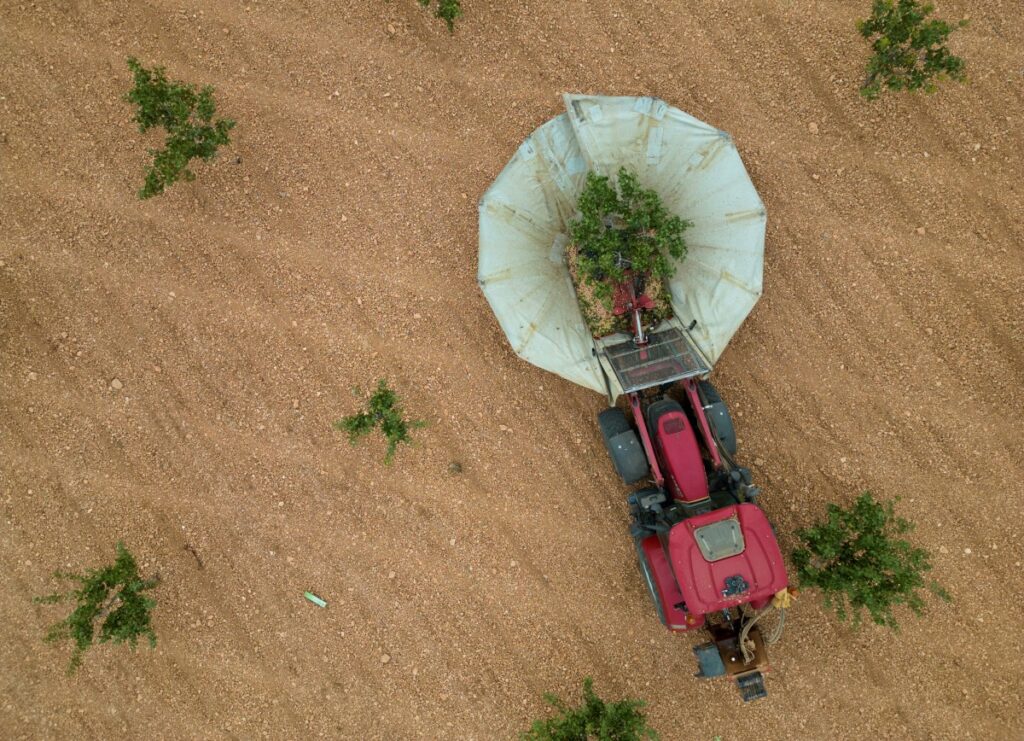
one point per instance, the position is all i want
(315, 600)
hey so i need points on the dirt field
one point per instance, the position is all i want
(335, 243)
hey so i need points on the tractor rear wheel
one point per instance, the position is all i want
(623, 445)
(645, 570)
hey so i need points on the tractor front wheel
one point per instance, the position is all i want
(623, 445)
(717, 414)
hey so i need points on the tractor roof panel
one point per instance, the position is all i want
(722, 539)
(725, 558)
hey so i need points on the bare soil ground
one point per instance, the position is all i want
(335, 243)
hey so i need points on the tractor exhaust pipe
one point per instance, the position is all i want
(639, 336)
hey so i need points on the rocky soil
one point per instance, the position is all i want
(170, 369)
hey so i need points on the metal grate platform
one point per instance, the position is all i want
(751, 686)
(669, 356)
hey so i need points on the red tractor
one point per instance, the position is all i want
(706, 549)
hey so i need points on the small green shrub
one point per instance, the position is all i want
(594, 719)
(858, 560)
(447, 10)
(618, 229)
(909, 51)
(112, 595)
(384, 411)
(186, 116)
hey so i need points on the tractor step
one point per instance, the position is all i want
(751, 686)
(709, 661)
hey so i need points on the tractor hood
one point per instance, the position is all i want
(726, 558)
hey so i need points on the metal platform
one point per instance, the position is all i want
(669, 356)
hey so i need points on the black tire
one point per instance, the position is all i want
(623, 446)
(709, 393)
(612, 422)
(718, 417)
(648, 577)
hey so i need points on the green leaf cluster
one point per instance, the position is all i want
(909, 50)
(859, 561)
(624, 228)
(594, 719)
(112, 595)
(447, 10)
(383, 410)
(186, 116)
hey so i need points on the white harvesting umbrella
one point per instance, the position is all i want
(525, 216)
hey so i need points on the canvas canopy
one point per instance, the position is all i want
(525, 216)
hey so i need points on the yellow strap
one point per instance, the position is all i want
(782, 599)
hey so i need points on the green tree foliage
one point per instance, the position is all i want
(859, 561)
(447, 10)
(111, 596)
(624, 228)
(186, 116)
(595, 719)
(384, 411)
(909, 51)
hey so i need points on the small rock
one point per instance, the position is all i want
(920, 230)
(391, 29)
(391, 575)
(32, 376)
(451, 542)
(344, 218)
(417, 316)
(116, 384)
(455, 468)
(385, 659)
(943, 549)
(812, 127)
(759, 461)
(967, 551)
